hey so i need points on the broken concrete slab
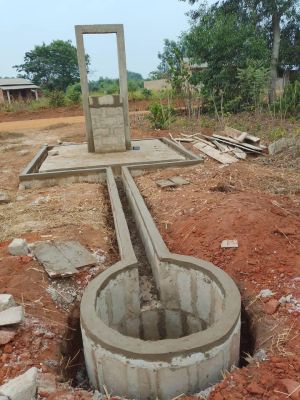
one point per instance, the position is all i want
(23, 387)
(13, 315)
(178, 180)
(165, 183)
(4, 198)
(174, 181)
(62, 259)
(6, 301)
(18, 247)
(282, 144)
(229, 244)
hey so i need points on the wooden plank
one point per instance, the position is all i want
(215, 154)
(184, 139)
(205, 142)
(222, 147)
(239, 153)
(246, 146)
(240, 136)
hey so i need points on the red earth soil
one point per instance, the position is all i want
(238, 202)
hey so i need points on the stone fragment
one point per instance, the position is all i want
(6, 335)
(282, 144)
(179, 181)
(23, 152)
(13, 315)
(6, 301)
(271, 306)
(53, 152)
(264, 293)
(4, 198)
(21, 388)
(18, 247)
(229, 244)
(165, 183)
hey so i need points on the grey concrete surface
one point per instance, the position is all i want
(75, 156)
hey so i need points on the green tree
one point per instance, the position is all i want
(173, 65)
(277, 20)
(227, 44)
(53, 66)
(134, 76)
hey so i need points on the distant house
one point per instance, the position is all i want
(16, 89)
(157, 85)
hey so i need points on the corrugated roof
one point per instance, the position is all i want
(18, 87)
(14, 82)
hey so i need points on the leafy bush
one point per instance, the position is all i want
(57, 98)
(160, 115)
(146, 93)
(73, 93)
(289, 103)
(253, 83)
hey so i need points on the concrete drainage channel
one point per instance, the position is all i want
(173, 335)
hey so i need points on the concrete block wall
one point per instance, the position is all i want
(108, 124)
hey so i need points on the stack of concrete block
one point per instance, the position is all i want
(108, 124)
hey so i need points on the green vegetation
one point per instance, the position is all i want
(161, 116)
(53, 66)
(231, 55)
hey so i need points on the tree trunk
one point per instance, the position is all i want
(275, 56)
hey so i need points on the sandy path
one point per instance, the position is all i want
(39, 123)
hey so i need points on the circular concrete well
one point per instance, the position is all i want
(180, 345)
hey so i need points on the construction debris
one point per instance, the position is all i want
(231, 146)
(61, 259)
(13, 315)
(215, 154)
(18, 247)
(10, 314)
(240, 136)
(174, 181)
(23, 387)
(6, 301)
(179, 181)
(4, 198)
(229, 244)
(282, 144)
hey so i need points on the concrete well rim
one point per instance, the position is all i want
(202, 341)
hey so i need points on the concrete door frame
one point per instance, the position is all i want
(118, 29)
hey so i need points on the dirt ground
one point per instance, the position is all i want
(259, 207)
(255, 202)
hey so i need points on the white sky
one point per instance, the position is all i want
(26, 23)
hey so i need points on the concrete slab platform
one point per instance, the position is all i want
(77, 156)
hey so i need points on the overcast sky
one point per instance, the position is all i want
(25, 24)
